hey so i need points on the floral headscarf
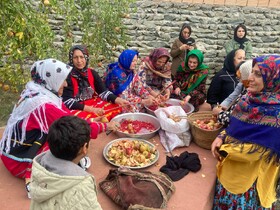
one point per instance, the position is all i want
(119, 75)
(150, 62)
(193, 77)
(256, 117)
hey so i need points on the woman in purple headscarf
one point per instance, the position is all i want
(248, 150)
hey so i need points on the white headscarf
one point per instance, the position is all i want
(245, 69)
(47, 77)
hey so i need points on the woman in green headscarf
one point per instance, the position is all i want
(191, 78)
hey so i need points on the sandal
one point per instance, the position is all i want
(85, 163)
(27, 187)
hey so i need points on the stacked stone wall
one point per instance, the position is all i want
(157, 24)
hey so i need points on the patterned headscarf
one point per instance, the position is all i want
(84, 50)
(196, 76)
(243, 39)
(256, 117)
(80, 74)
(49, 73)
(47, 77)
(150, 62)
(119, 75)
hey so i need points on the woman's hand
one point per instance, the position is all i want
(163, 98)
(217, 143)
(191, 47)
(177, 91)
(113, 125)
(150, 100)
(216, 110)
(185, 100)
(167, 94)
(97, 111)
(184, 47)
(122, 102)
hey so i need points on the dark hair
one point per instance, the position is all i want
(240, 26)
(193, 56)
(189, 41)
(185, 25)
(67, 136)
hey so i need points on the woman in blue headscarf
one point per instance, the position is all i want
(248, 150)
(121, 79)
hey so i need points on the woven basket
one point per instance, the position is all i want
(202, 137)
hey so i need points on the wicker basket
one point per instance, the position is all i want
(202, 137)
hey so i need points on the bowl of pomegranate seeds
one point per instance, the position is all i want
(188, 108)
(137, 125)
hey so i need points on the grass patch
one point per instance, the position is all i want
(7, 100)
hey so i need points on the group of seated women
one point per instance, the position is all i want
(152, 83)
(58, 89)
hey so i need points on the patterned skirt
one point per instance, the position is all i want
(111, 110)
(249, 200)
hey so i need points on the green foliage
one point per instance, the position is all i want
(28, 34)
(7, 101)
(25, 35)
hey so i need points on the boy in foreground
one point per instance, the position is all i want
(57, 181)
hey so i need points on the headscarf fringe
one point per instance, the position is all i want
(22, 112)
(270, 154)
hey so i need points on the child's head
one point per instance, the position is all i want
(67, 136)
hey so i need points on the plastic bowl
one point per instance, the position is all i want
(138, 116)
(188, 108)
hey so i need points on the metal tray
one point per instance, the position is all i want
(109, 145)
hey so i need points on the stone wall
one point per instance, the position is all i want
(250, 3)
(157, 24)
